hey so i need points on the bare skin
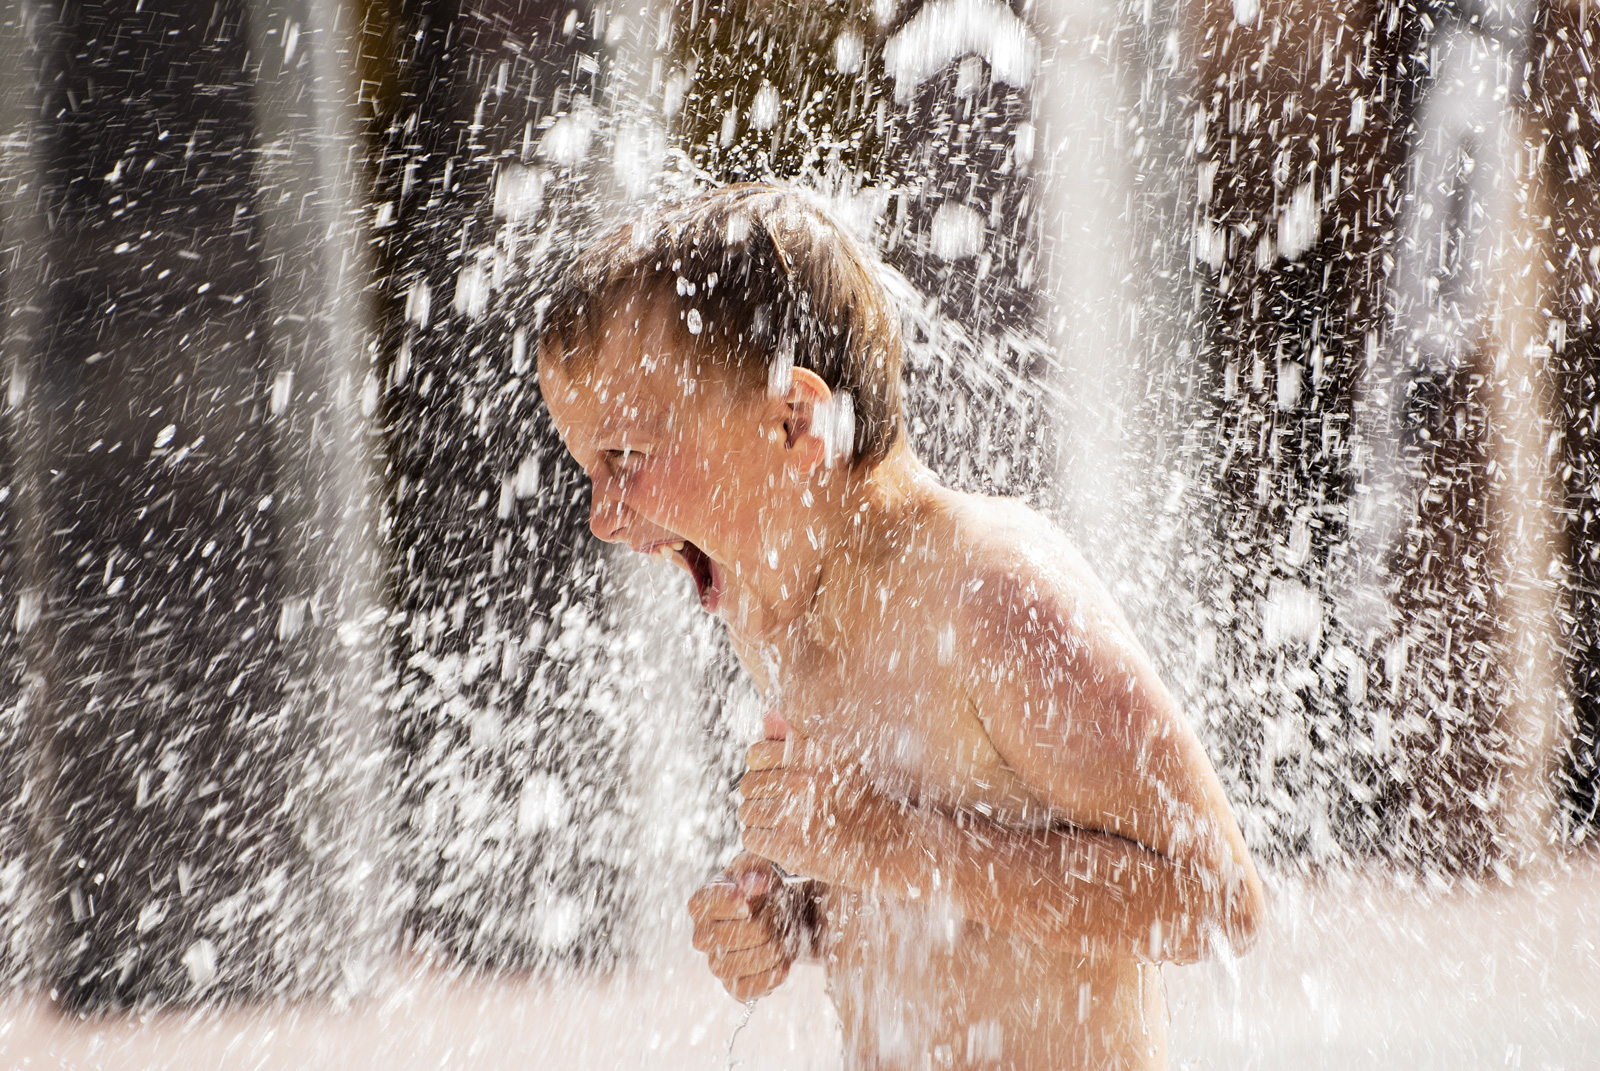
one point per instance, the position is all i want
(1005, 821)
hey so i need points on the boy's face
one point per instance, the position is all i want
(688, 464)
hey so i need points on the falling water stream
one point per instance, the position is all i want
(330, 738)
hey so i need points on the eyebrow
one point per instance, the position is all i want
(632, 424)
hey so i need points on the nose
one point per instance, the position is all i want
(605, 510)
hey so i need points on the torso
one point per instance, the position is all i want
(876, 687)
(915, 733)
(916, 988)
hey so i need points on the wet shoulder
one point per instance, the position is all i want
(1005, 558)
(994, 538)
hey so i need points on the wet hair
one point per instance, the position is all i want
(764, 281)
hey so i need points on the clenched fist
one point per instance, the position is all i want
(751, 926)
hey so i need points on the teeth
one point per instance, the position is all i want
(678, 546)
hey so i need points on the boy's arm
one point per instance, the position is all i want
(1143, 854)
(1067, 888)
(1076, 709)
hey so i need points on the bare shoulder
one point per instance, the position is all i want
(1020, 571)
(990, 582)
(1069, 699)
(1037, 627)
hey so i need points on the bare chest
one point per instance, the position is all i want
(893, 706)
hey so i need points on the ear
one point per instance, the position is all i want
(803, 437)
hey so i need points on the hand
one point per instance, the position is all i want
(824, 821)
(741, 923)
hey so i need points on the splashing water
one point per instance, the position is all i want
(319, 704)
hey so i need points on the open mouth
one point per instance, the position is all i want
(699, 566)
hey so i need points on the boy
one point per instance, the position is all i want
(1004, 821)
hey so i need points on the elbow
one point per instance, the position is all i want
(1240, 912)
(1193, 939)
(1227, 916)
(1244, 910)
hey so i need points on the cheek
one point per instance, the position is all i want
(672, 491)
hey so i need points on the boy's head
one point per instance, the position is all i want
(706, 365)
(759, 280)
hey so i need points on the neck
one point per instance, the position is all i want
(824, 544)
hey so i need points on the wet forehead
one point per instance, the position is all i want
(631, 383)
(610, 402)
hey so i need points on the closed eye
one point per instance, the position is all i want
(623, 462)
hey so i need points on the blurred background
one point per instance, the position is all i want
(313, 687)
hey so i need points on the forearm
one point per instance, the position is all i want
(1069, 888)
(1096, 892)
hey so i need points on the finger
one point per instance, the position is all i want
(747, 961)
(753, 876)
(722, 938)
(762, 814)
(803, 751)
(765, 755)
(745, 865)
(720, 900)
(780, 849)
(757, 985)
(781, 783)
(789, 786)
(756, 884)
(773, 725)
(758, 783)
